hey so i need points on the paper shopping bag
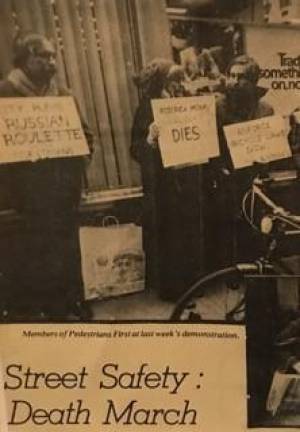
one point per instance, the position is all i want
(113, 261)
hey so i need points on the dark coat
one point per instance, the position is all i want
(171, 216)
(47, 267)
(224, 230)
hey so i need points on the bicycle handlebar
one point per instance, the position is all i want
(276, 209)
(277, 212)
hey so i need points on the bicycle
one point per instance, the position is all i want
(275, 223)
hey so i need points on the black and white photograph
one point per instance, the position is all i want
(98, 222)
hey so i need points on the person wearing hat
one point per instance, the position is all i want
(171, 205)
(46, 271)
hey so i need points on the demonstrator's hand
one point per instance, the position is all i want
(153, 134)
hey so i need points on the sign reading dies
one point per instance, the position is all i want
(187, 130)
(39, 128)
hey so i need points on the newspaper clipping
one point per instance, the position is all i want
(149, 215)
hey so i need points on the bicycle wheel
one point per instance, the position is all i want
(218, 296)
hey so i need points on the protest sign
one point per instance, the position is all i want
(40, 128)
(187, 130)
(262, 140)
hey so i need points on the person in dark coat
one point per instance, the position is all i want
(171, 219)
(242, 102)
(224, 186)
(46, 274)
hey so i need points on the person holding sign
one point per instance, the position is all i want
(243, 109)
(241, 102)
(171, 219)
(46, 274)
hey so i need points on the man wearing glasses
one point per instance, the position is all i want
(46, 271)
(240, 102)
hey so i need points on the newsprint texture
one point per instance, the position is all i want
(149, 215)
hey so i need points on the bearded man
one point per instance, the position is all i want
(229, 239)
(224, 187)
(46, 268)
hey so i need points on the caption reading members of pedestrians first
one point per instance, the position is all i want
(111, 377)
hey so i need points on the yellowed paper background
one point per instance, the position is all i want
(212, 357)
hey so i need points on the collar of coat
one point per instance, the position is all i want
(26, 87)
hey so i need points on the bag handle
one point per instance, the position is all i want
(110, 220)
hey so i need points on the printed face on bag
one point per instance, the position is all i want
(127, 267)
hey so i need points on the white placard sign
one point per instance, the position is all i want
(187, 130)
(262, 140)
(40, 128)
